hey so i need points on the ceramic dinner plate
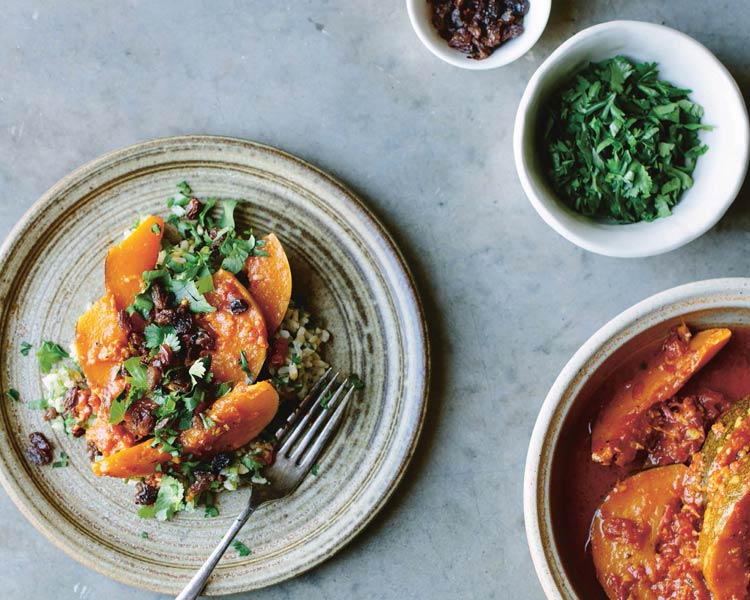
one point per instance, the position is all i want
(348, 272)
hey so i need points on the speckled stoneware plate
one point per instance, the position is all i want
(349, 273)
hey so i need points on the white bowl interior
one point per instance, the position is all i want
(420, 15)
(718, 175)
(703, 304)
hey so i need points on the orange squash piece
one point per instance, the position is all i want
(270, 282)
(235, 331)
(101, 342)
(724, 542)
(627, 535)
(619, 431)
(238, 418)
(127, 261)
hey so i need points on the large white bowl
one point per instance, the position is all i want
(702, 304)
(718, 175)
(420, 15)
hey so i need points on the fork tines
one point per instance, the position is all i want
(308, 428)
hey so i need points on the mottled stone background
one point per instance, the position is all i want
(347, 86)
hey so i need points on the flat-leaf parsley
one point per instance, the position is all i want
(622, 144)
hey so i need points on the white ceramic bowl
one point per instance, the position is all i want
(702, 304)
(420, 15)
(718, 175)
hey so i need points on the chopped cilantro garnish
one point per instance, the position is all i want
(187, 290)
(198, 370)
(155, 229)
(208, 422)
(315, 469)
(138, 373)
(144, 535)
(49, 355)
(168, 501)
(40, 404)
(242, 550)
(184, 188)
(325, 400)
(141, 305)
(13, 394)
(63, 462)
(156, 335)
(621, 143)
(118, 408)
(244, 364)
(355, 381)
(25, 348)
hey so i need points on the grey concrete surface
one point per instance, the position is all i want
(347, 85)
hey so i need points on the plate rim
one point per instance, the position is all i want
(354, 202)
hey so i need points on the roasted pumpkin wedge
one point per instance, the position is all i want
(620, 431)
(101, 343)
(237, 419)
(727, 438)
(724, 542)
(629, 529)
(270, 282)
(240, 330)
(126, 262)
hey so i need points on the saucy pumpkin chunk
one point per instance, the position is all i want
(643, 538)
(621, 429)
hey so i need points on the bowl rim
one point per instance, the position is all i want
(504, 55)
(683, 299)
(550, 214)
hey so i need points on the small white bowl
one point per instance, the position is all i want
(703, 304)
(420, 15)
(718, 175)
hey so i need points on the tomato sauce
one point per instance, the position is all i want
(580, 485)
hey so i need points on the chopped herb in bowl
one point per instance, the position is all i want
(621, 144)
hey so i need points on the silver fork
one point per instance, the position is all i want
(298, 444)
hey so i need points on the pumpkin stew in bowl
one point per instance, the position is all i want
(655, 473)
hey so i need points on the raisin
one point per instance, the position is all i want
(193, 208)
(237, 306)
(203, 481)
(145, 494)
(220, 461)
(39, 450)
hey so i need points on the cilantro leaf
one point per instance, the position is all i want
(187, 290)
(49, 355)
(227, 217)
(40, 404)
(138, 373)
(244, 365)
(156, 335)
(141, 305)
(25, 348)
(63, 462)
(197, 370)
(355, 381)
(242, 550)
(168, 500)
(118, 408)
(13, 394)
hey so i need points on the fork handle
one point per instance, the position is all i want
(193, 589)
